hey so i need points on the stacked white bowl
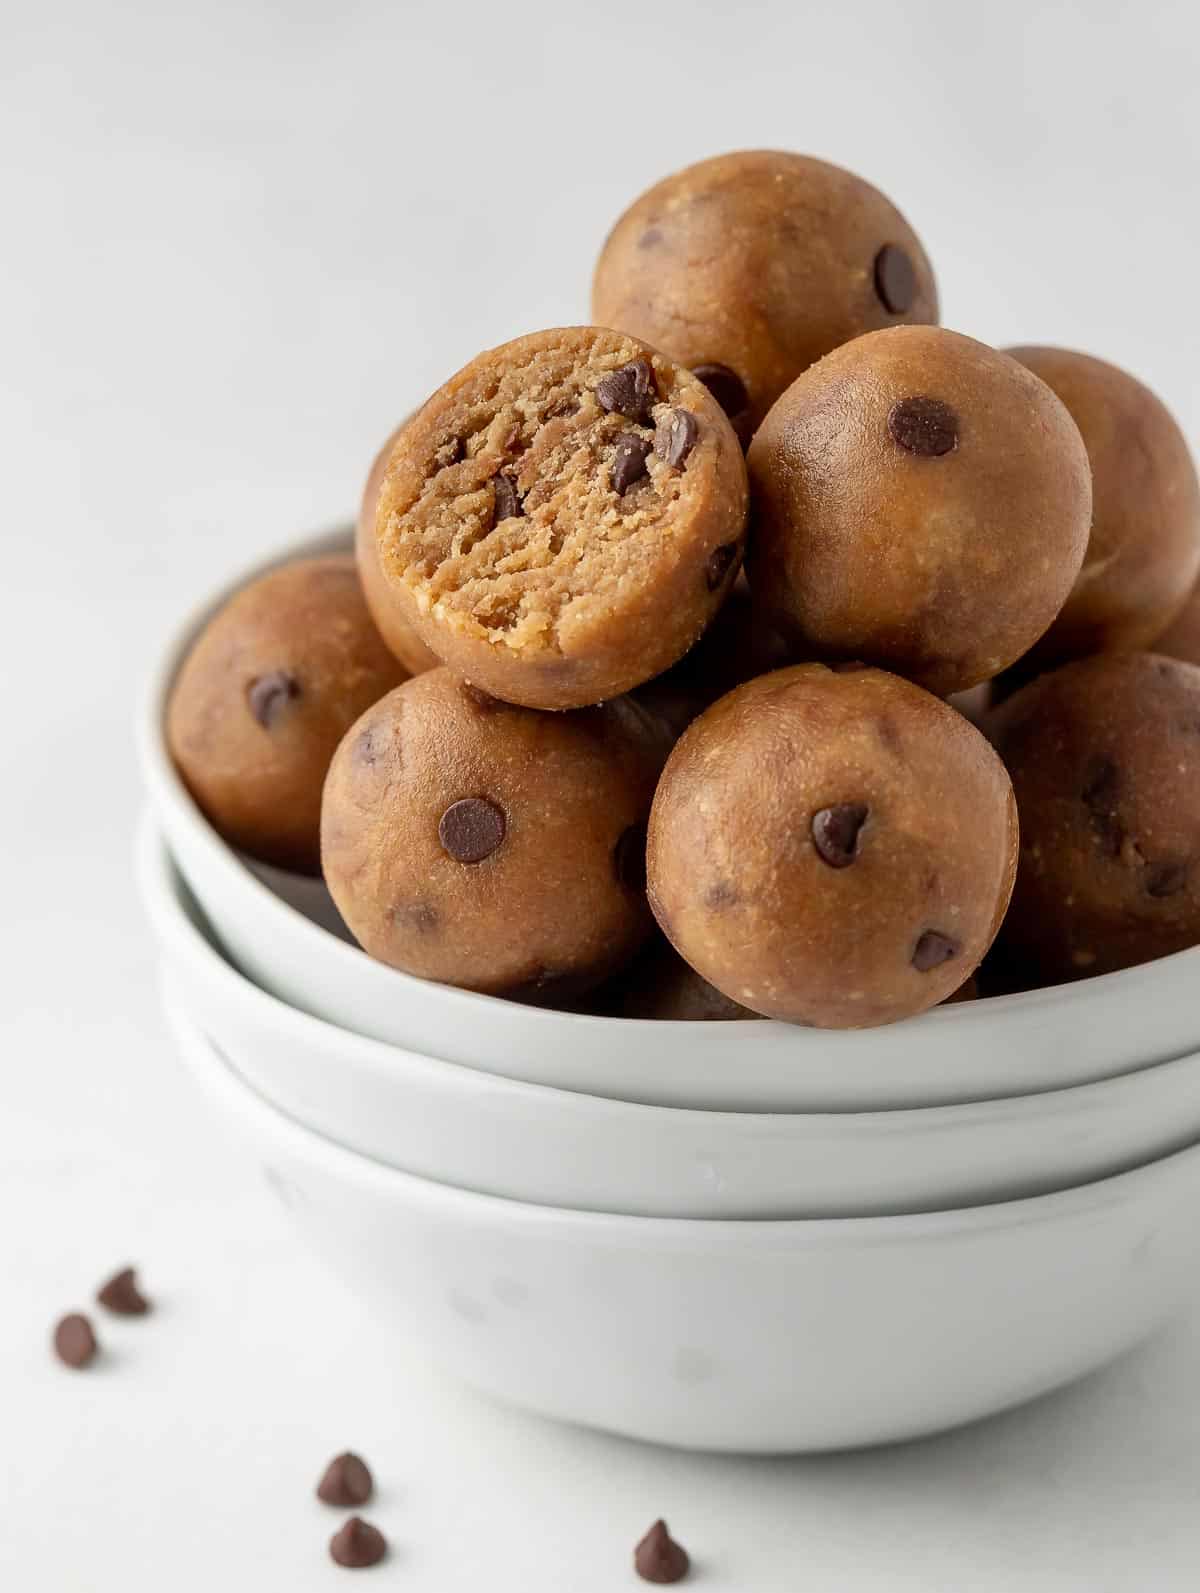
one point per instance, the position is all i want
(727, 1235)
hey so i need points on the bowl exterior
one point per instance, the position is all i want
(560, 1148)
(772, 1338)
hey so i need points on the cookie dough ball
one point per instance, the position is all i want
(922, 502)
(834, 848)
(1144, 553)
(395, 630)
(268, 690)
(489, 846)
(749, 267)
(1104, 756)
(1182, 640)
(660, 985)
(561, 520)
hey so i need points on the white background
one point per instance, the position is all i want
(237, 243)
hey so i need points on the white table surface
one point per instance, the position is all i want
(234, 249)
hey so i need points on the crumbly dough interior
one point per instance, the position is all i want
(535, 426)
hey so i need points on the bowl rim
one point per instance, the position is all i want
(161, 886)
(167, 787)
(239, 1099)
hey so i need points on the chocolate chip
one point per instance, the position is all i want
(122, 1296)
(933, 949)
(1165, 879)
(720, 562)
(508, 504)
(472, 829)
(726, 386)
(74, 1342)
(650, 238)
(358, 1545)
(835, 832)
(658, 1558)
(629, 391)
(895, 279)
(675, 436)
(924, 426)
(629, 461)
(629, 857)
(347, 1482)
(269, 694)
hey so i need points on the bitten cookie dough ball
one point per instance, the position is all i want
(1104, 756)
(268, 690)
(749, 267)
(834, 848)
(561, 520)
(922, 502)
(395, 630)
(489, 846)
(1144, 552)
(1182, 640)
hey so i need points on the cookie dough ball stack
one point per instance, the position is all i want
(642, 751)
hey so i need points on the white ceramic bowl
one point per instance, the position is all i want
(769, 1337)
(972, 1051)
(560, 1148)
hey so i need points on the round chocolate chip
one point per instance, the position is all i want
(268, 695)
(932, 950)
(472, 829)
(924, 426)
(122, 1296)
(629, 857)
(347, 1482)
(895, 279)
(658, 1558)
(358, 1545)
(629, 391)
(720, 562)
(726, 386)
(835, 832)
(675, 437)
(74, 1342)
